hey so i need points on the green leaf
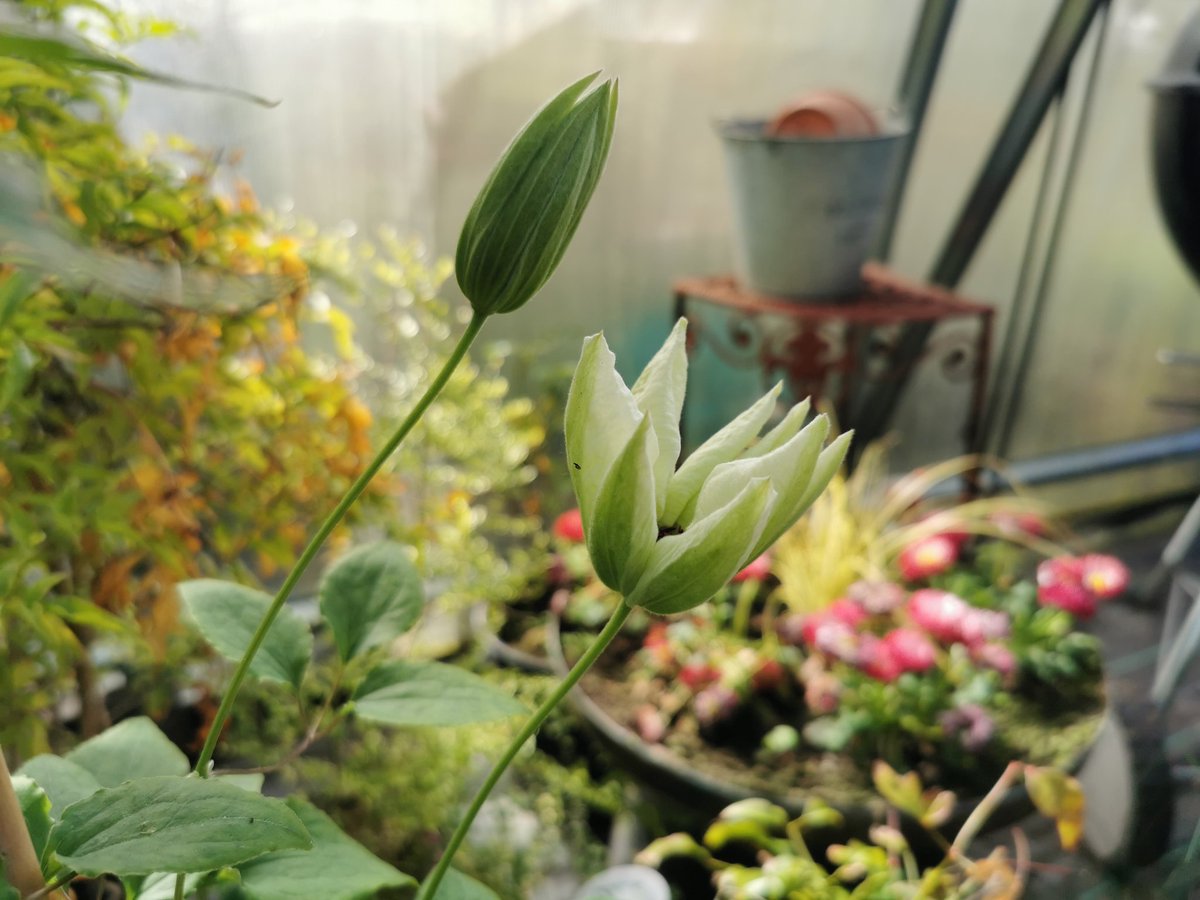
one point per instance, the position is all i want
(407, 693)
(26, 42)
(228, 614)
(63, 781)
(161, 885)
(7, 891)
(336, 868)
(171, 824)
(1060, 797)
(457, 886)
(15, 289)
(135, 748)
(252, 781)
(35, 807)
(17, 372)
(371, 595)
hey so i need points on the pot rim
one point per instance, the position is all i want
(751, 131)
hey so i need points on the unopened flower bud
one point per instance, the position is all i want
(527, 212)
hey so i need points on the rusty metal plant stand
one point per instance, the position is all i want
(832, 350)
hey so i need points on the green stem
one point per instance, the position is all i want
(327, 527)
(747, 591)
(429, 888)
(314, 546)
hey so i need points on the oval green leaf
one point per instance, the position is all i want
(457, 886)
(336, 868)
(63, 781)
(35, 808)
(228, 614)
(166, 824)
(134, 748)
(370, 596)
(429, 693)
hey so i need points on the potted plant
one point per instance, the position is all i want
(755, 850)
(877, 629)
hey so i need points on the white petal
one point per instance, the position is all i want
(788, 427)
(659, 394)
(600, 420)
(624, 524)
(723, 446)
(789, 468)
(686, 569)
(784, 517)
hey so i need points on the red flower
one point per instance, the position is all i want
(1058, 570)
(836, 639)
(877, 659)
(995, 656)
(877, 597)
(847, 612)
(793, 629)
(714, 704)
(656, 635)
(843, 612)
(758, 569)
(910, 649)
(1079, 584)
(768, 676)
(569, 526)
(698, 676)
(657, 646)
(938, 612)
(1105, 576)
(928, 556)
(979, 625)
(650, 724)
(1069, 595)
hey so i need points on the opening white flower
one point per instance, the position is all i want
(669, 538)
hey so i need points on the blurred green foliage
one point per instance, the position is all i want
(391, 789)
(461, 483)
(154, 383)
(179, 392)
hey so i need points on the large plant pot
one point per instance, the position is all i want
(683, 797)
(807, 211)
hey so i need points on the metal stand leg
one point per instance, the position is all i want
(1177, 548)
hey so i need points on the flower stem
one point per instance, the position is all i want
(327, 527)
(429, 888)
(747, 591)
(983, 811)
(18, 860)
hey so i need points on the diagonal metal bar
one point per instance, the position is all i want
(1053, 60)
(916, 84)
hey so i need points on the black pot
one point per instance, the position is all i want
(1175, 127)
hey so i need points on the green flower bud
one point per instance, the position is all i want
(669, 538)
(527, 212)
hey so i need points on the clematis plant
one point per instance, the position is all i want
(668, 538)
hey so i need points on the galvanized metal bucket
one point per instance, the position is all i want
(807, 210)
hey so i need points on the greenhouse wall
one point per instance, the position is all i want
(392, 112)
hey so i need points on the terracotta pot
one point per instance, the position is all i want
(824, 114)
